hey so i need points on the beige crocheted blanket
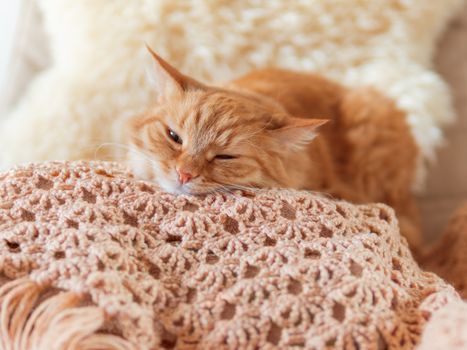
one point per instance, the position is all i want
(92, 259)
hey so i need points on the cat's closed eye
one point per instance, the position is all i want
(224, 157)
(174, 136)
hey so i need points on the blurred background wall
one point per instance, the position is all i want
(9, 12)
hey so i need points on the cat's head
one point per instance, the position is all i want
(199, 139)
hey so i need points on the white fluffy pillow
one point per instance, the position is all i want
(98, 74)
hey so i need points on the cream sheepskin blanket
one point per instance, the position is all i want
(97, 78)
(92, 259)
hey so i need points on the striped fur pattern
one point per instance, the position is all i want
(276, 128)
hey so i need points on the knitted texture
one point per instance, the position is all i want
(93, 258)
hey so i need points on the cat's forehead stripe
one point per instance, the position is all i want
(212, 119)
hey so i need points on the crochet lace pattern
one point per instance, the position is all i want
(93, 259)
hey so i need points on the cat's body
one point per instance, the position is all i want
(259, 131)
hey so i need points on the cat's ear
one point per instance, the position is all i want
(167, 80)
(297, 133)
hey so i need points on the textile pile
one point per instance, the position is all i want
(91, 257)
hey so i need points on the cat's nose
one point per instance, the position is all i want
(184, 177)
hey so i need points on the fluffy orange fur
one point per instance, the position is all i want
(276, 128)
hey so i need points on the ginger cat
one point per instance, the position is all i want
(277, 128)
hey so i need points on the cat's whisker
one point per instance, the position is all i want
(220, 188)
(116, 145)
(128, 148)
(229, 191)
(284, 190)
(241, 187)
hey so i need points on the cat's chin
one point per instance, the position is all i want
(190, 189)
(184, 190)
(180, 190)
(173, 189)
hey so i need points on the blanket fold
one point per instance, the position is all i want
(102, 258)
